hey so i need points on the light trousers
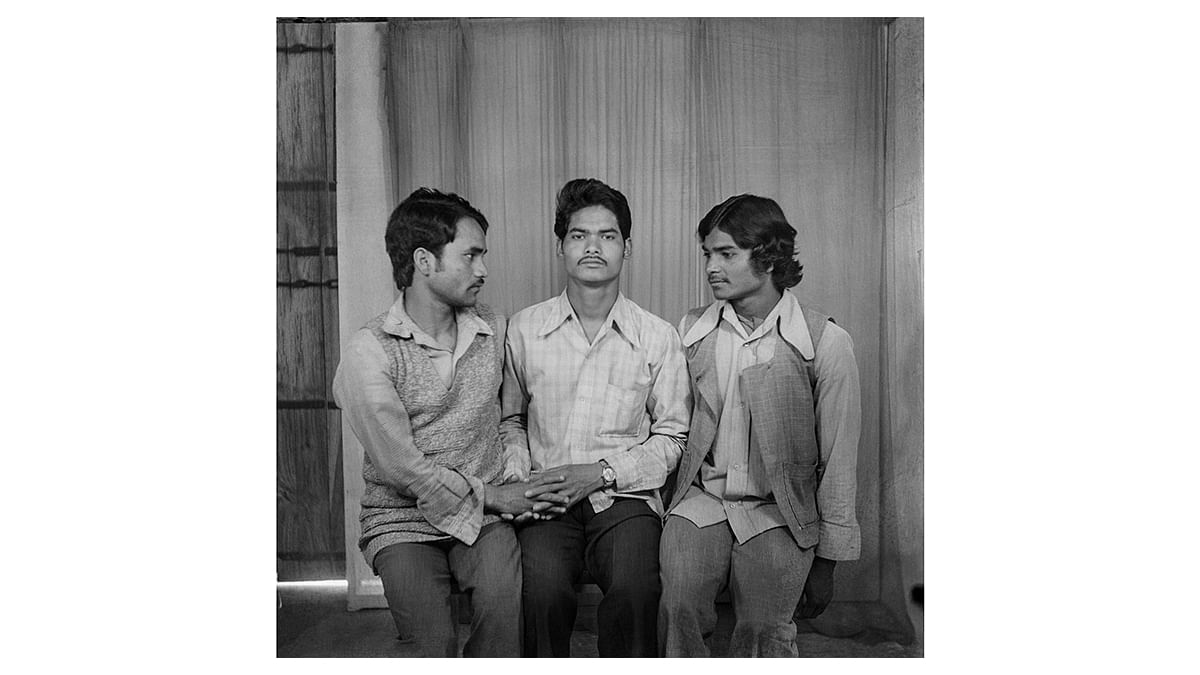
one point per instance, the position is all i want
(765, 577)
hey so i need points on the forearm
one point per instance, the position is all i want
(838, 425)
(646, 466)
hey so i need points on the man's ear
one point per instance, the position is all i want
(558, 248)
(423, 261)
(628, 247)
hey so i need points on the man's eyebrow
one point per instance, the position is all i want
(476, 249)
(604, 230)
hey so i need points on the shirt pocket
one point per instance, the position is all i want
(623, 412)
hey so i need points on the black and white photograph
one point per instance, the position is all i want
(600, 337)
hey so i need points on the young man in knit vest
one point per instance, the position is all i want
(596, 390)
(419, 386)
(763, 503)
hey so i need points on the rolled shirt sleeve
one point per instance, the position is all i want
(839, 414)
(364, 389)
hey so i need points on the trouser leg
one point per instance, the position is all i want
(551, 564)
(695, 567)
(416, 583)
(767, 576)
(622, 556)
(489, 571)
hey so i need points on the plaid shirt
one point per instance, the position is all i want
(625, 398)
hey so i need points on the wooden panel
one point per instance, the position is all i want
(305, 537)
(304, 217)
(300, 332)
(301, 142)
(310, 531)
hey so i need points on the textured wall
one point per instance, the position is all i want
(903, 466)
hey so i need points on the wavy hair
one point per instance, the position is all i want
(758, 224)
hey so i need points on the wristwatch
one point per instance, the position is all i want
(608, 475)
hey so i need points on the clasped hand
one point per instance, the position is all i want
(530, 499)
(556, 489)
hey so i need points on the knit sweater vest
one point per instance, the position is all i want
(456, 429)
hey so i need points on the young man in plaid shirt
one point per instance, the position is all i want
(596, 393)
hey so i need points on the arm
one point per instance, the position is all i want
(669, 403)
(838, 418)
(514, 411)
(364, 389)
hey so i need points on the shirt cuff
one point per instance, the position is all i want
(471, 515)
(839, 542)
(625, 466)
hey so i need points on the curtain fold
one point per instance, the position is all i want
(678, 114)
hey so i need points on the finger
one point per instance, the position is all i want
(547, 479)
(541, 491)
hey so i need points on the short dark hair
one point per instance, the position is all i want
(758, 224)
(426, 219)
(584, 192)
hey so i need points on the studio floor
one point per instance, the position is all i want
(312, 621)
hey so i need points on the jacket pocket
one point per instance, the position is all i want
(800, 482)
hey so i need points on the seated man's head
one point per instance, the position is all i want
(749, 248)
(592, 223)
(437, 240)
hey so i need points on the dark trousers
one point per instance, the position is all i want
(416, 581)
(619, 547)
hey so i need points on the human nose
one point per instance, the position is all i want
(480, 268)
(711, 266)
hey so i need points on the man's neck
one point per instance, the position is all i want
(756, 307)
(592, 303)
(433, 316)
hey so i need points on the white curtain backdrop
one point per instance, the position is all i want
(676, 113)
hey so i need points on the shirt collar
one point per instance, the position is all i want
(623, 320)
(400, 324)
(791, 323)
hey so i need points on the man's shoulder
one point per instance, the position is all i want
(649, 321)
(536, 312)
(693, 315)
(491, 317)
